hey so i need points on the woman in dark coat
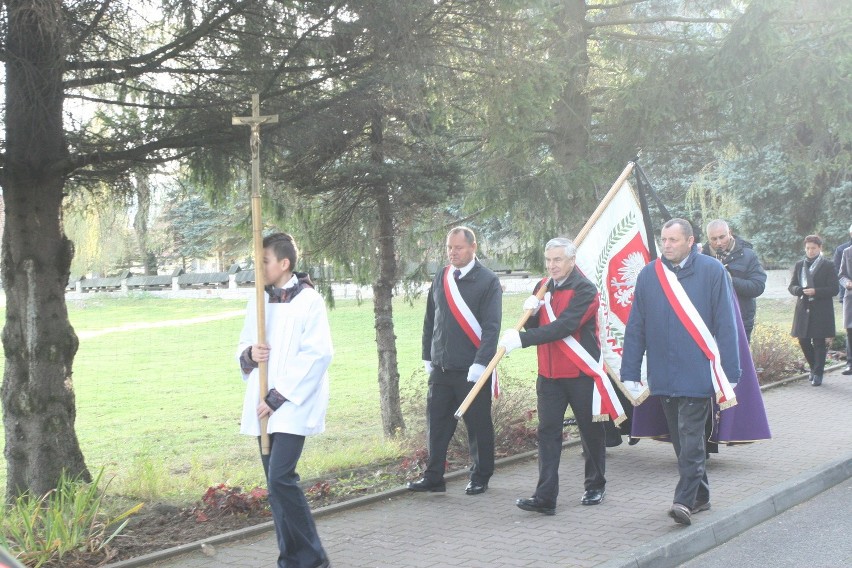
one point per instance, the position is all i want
(815, 283)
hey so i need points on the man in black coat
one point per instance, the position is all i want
(742, 264)
(463, 316)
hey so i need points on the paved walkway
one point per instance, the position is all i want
(811, 450)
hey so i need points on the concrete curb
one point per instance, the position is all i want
(721, 526)
(795, 378)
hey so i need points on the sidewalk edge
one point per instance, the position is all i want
(683, 545)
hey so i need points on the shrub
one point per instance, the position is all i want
(776, 355)
(513, 414)
(222, 499)
(40, 531)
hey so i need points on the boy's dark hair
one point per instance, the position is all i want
(283, 246)
(815, 239)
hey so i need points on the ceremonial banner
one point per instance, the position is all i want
(611, 254)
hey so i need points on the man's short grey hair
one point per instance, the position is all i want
(468, 233)
(562, 242)
(685, 226)
(718, 224)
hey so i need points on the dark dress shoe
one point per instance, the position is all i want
(613, 440)
(533, 504)
(847, 370)
(593, 497)
(424, 484)
(475, 488)
(817, 380)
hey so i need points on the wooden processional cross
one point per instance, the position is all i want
(255, 121)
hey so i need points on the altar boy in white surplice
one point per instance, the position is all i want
(298, 352)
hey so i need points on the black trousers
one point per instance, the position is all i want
(299, 545)
(447, 390)
(815, 351)
(686, 418)
(554, 396)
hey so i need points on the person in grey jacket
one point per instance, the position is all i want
(460, 330)
(679, 372)
(738, 257)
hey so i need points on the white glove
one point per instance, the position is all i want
(510, 340)
(634, 387)
(533, 303)
(475, 372)
(427, 366)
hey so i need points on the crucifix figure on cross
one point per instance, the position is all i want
(255, 121)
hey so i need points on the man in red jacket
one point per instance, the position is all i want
(569, 309)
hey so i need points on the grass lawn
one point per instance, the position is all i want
(159, 407)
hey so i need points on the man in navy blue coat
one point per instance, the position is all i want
(678, 370)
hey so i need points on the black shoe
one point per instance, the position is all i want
(631, 441)
(613, 441)
(424, 484)
(475, 487)
(593, 497)
(847, 370)
(536, 506)
(817, 380)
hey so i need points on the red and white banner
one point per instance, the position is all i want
(611, 254)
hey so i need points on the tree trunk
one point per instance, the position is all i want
(393, 423)
(140, 224)
(38, 340)
(572, 114)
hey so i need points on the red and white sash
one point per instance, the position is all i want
(694, 324)
(605, 403)
(466, 320)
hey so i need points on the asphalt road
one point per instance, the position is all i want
(815, 534)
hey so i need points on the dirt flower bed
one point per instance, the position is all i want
(224, 509)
